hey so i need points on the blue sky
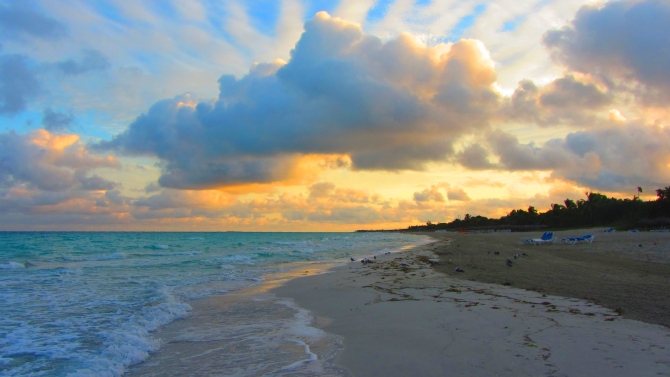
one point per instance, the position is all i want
(106, 106)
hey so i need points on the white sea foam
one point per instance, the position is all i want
(311, 357)
(131, 342)
(12, 265)
(237, 259)
(94, 299)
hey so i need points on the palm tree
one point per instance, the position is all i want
(639, 191)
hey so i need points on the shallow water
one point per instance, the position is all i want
(91, 303)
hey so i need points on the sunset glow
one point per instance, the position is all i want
(287, 116)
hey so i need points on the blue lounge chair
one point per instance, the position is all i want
(570, 240)
(610, 230)
(573, 240)
(587, 238)
(547, 237)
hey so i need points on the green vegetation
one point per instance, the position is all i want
(596, 210)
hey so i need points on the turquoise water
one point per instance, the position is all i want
(87, 303)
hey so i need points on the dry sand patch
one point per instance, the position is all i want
(627, 272)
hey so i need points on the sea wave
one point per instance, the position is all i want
(168, 254)
(92, 258)
(131, 343)
(157, 247)
(11, 265)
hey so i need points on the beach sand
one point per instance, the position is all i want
(400, 316)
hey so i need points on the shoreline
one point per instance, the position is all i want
(401, 316)
(246, 332)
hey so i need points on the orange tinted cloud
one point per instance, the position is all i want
(380, 105)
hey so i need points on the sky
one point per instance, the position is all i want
(326, 115)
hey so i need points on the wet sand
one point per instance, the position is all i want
(402, 316)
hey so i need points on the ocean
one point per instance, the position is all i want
(142, 303)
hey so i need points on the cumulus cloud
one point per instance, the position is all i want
(458, 194)
(186, 199)
(386, 105)
(430, 194)
(54, 121)
(433, 195)
(19, 20)
(474, 157)
(328, 191)
(91, 60)
(612, 158)
(18, 84)
(325, 203)
(49, 162)
(565, 100)
(622, 42)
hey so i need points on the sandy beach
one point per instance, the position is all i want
(594, 309)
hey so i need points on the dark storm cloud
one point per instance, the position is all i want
(18, 20)
(389, 106)
(627, 41)
(18, 84)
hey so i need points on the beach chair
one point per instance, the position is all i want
(570, 240)
(587, 238)
(610, 230)
(547, 237)
(573, 240)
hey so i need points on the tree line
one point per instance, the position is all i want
(596, 210)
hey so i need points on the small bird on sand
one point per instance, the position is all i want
(516, 256)
(508, 263)
(496, 252)
(404, 264)
(352, 259)
(488, 251)
(458, 269)
(524, 254)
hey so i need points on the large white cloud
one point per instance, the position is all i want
(394, 105)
